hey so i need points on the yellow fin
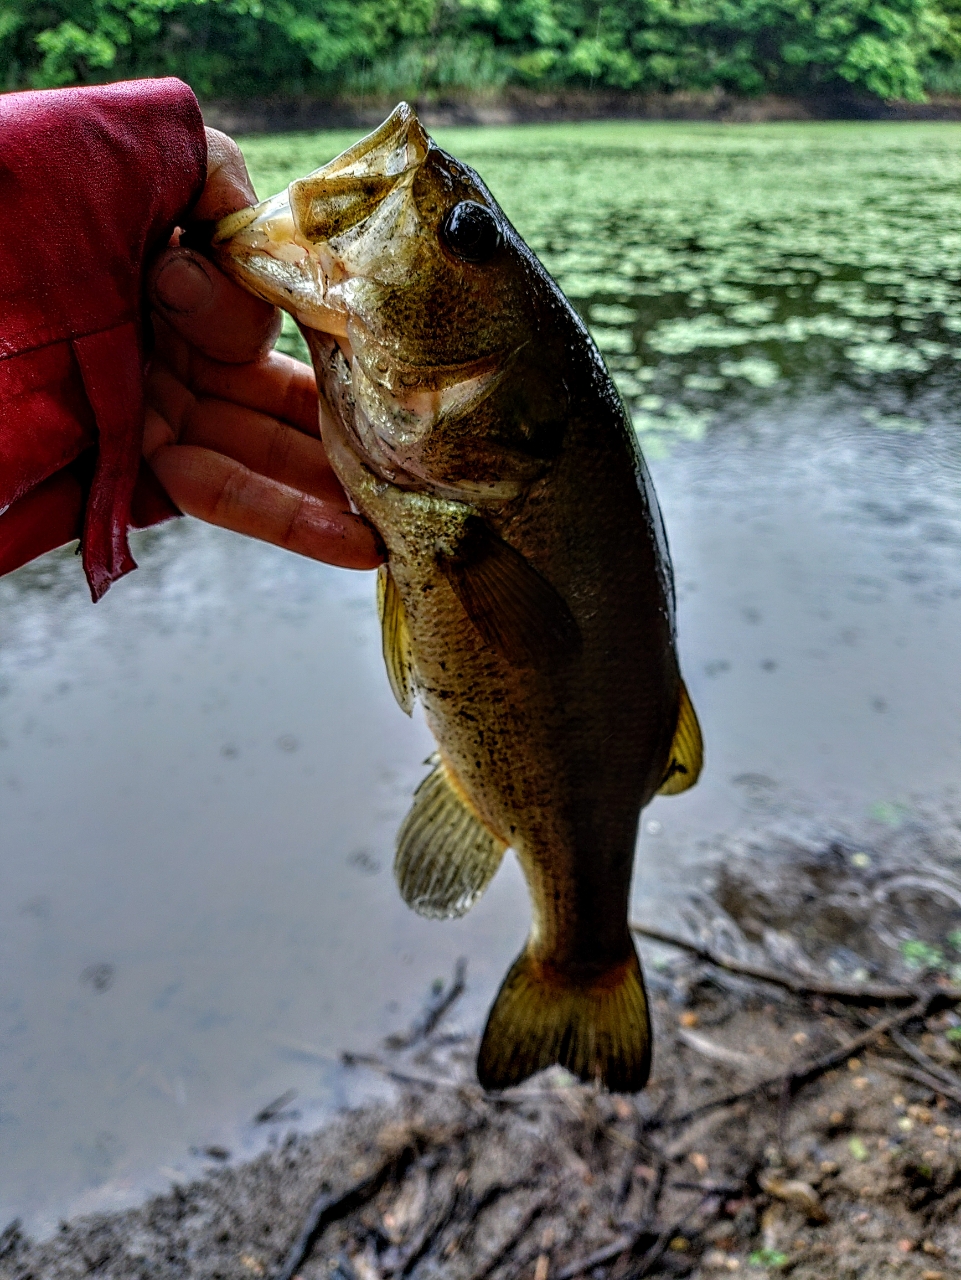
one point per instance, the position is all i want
(598, 1028)
(396, 639)
(446, 857)
(516, 610)
(687, 751)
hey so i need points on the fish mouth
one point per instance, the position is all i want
(291, 249)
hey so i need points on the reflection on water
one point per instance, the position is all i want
(201, 777)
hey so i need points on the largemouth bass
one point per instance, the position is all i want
(527, 600)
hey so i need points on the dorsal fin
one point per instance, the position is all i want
(514, 608)
(395, 638)
(446, 857)
(687, 751)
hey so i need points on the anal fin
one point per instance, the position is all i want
(687, 751)
(446, 857)
(596, 1026)
(395, 638)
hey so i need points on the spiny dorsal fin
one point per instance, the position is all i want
(396, 639)
(596, 1026)
(516, 611)
(445, 856)
(687, 751)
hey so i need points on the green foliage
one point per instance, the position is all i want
(234, 48)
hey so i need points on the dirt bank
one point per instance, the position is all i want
(804, 1117)
(518, 106)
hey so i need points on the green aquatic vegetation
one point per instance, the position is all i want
(887, 357)
(609, 339)
(892, 421)
(608, 314)
(830, 251)
(757, 370)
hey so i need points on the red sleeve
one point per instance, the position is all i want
(92, 182)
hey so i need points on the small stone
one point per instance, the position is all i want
(688, 1018)
(905, 1246)
(931, 1249)
(679, 1244)
(905, 1124)
(829, 1166)
(941, 1131)
(800, 1037)
(700, 1162)
(854, 1064)
(932, 1275)
(836, 1117)
(860, 1082)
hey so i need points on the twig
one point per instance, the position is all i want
(922, 1077)
(599, 1256)
(928, 1064)
(533, 1211)
(868, 992)
(274, 1109)
(659, 1247)
(433, 1012)
(709, 1188)
(329, 1207)
(806, 1072)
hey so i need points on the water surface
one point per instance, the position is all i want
(201, 777)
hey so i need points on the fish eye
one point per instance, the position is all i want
(471, 232)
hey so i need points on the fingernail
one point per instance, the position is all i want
(183, 285)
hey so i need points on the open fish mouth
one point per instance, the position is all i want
(295, 249)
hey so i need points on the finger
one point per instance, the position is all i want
(170, 397)
(157, 433)
(264, 445)
(228, 187)
(224, 492)
(208, 311)
(277, 384)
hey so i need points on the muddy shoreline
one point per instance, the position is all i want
(518, 106)
(803, 1118)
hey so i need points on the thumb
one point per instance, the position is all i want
(208, 310)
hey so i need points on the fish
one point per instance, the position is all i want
(527, 598)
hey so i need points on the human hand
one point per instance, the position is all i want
(231, 429)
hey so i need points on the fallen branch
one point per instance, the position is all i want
(928, 1064)
(868, 992)
(433, 1012)
(788, 1082)
(331, 1206)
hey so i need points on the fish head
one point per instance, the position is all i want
(423, 309)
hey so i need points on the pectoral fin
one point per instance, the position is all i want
(687, 751)
(396, 639)
(445, 856)
(516, 610)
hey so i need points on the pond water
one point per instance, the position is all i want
(201, 777)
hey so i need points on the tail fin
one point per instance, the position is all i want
(598, 1029)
